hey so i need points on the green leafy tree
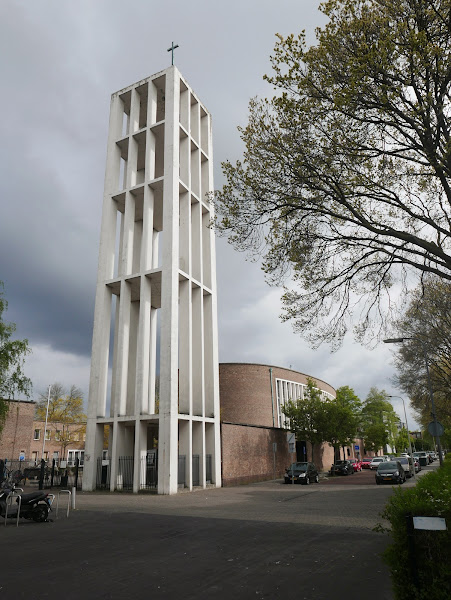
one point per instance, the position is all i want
(402, 441)
(12, 358)
(65, 410)
(345, 179)
(308, 417)
(427, 319)
(343, 415)
(378, 420)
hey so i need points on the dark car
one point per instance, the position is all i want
(390, 471)
(342, 467)
(302, 472)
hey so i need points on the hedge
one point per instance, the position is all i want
(424, 571)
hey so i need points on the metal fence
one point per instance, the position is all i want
(42, 474)
(148, 474)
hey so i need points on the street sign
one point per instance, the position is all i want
(429, 523)
(357, 447)
(436, 431)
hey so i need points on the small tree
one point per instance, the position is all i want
(12, 356)
(307, 415)
(342, 428)
(65, 410)
(379, 420)
(402, 441)
(344, 417)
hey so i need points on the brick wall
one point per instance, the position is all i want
(247, 453)
(248, 432)
(245, 392)
(17, 431)
(52, 445)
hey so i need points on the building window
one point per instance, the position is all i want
(46, 455)
(37, 434)
(47, 435)
(76, 436)
(57, 435)
(34, 457)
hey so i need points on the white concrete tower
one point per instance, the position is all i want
(157, 270)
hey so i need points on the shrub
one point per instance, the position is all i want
(428, 574)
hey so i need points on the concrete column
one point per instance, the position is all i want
(128, 235)
(152, 360)
(199, 448)
(186, 449)
(123, 347)
(185, 351)
(167, 447)
(147, 232)
(143, 348)
(140, 454)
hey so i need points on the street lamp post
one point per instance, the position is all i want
(401, 340)
(407, 427)
(45, 426)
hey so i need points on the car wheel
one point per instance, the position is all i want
(316, 478)
(378, 482)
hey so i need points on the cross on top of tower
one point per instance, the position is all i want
(171, 49)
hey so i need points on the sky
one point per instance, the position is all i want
(61, 62)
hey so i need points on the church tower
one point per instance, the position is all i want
(153, 414)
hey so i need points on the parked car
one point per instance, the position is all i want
(342, 467)
(356, 463)
(390, 472)
(416, 462)
(366, 462)
(408, 465)
(301, 472)
(377, 460)
(433, 455)
(423, 458)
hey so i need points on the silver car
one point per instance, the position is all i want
(377, 460)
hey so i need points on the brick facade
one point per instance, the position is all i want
(20, 430)
(250, 425)
(54, 447)
(17, 431)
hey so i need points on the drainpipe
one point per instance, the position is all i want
(272, 397)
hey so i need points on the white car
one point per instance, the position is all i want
(377, 460)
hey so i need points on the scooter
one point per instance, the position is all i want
(35, 506)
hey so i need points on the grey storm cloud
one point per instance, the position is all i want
(61, 63)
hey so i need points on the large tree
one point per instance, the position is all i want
(65, 413)
(346, 173)
(12, 357)
(427, 321)
(343, 413)
(379, 422)
(307, 416)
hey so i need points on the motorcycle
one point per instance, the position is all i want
(34, 506)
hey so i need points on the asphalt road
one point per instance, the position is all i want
(265, 540)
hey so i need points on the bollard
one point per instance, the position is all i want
(74, 492)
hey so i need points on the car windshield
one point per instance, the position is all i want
(299, 466)
(340, 462)
(367, 460)
(403, 461)
(387, 466)
(377, 460)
